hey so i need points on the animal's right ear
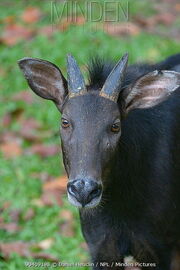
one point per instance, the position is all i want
(150, 90)
(45, 79)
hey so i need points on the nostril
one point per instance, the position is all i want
(72, 189)
(95, 193)
(84, 191)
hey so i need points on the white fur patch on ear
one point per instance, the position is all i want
(151, 89)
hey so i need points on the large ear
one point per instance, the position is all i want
(45, 79)
(150, 90)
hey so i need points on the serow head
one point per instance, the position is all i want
(91, 120)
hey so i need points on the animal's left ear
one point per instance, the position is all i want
(45, 79)
(150, 90)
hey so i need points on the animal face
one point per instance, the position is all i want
(91, 120)
(90, 131)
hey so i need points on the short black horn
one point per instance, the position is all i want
(76, 84)
(113, 83)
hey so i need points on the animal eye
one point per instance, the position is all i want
(65, 123)
(116, 126)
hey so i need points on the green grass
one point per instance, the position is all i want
(17, 184)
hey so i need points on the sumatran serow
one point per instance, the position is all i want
(121, 149)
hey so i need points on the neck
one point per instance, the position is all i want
(124, 188)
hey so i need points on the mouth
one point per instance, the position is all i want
(93, 203)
